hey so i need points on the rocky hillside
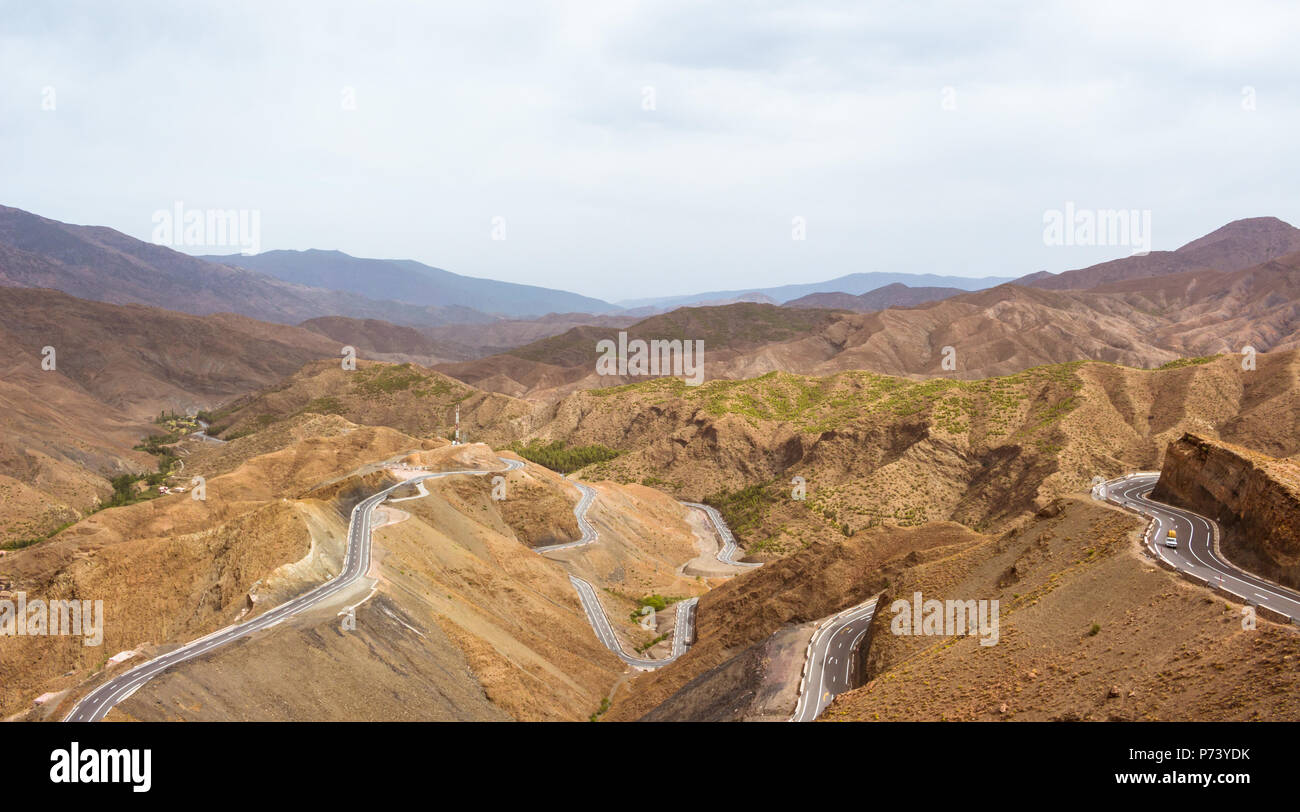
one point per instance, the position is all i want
(66, 430)
(879, 450)
(93, 262)
(408, 397)
(724, 676)
(1141, 322)
(1237, 245)
(895, 295)
(172, 569)
(1089, 629)
(1254, 498)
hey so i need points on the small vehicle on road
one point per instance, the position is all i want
(1171, 540)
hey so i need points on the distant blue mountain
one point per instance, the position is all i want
(854, 283)
(412, 282)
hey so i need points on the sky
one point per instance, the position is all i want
(638, 149)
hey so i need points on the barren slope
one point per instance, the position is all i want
(1089, 629)
(873, 449)
(407, 397)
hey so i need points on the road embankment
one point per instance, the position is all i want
(1254, 498)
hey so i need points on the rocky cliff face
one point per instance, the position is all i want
(1255, 499)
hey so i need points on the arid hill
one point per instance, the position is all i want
(460, 298)
(464, 621)
(566, 362)
(171, 569)
(730, 674)
(895, 295)
(1142, 322)
(413, 399)
(65, 431)
(1089, 629)
(469, 341)
(93, 262)
(1237, 245)
(874, 449)
(382, 339)
(1254, 498)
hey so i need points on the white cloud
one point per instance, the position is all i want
(763, 111)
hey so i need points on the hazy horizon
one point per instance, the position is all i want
(639, 150)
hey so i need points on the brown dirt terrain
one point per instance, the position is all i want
(875, 450)
(645, 539)
(468, 623)
(742, 614)
(64, 432)
(1239, 244)
(172, 569)
(393, 666)
(1089, 630)
(407, 397)
(1233, 288)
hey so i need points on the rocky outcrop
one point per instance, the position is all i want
(1254, 498)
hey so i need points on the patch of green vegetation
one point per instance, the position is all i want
(253, 426)
(743, 510)
(1096, 627)
(559, 457)
(604, 706)
(21, 543)
(386, 379)
(644, 648)
(125, 492)
(666, 386)
(771, 543)
(154, 443)
(1178, 363)
(655, 602)
(324, 405)
(999, 407)
(1055, 411)
(176, 421)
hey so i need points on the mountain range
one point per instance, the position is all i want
(1128, 316)
(1055, 379)
(854, 284)
(411, 282)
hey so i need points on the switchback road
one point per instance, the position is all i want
(1195, 553)
(94, 705)
(830, 665)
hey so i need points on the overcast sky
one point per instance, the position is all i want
(910, 136)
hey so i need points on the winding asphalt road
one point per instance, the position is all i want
(94, 705)
(589, 533)
(683, 629)
(831, 662)
(1195, 552)
(727, 554)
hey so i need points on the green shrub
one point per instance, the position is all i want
(559, 457)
